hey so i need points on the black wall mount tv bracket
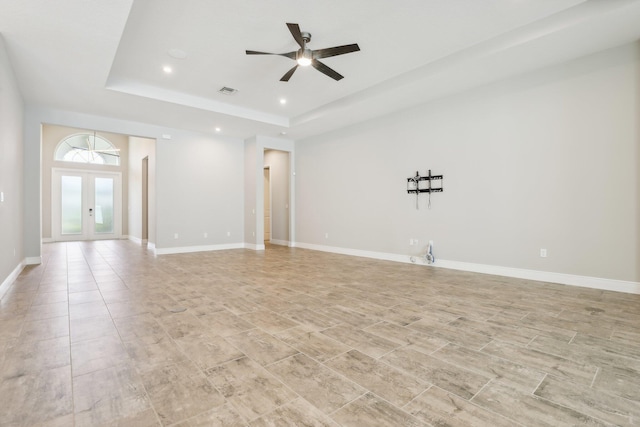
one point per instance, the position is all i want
(423, 184)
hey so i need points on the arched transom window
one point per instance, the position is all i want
(87, 148)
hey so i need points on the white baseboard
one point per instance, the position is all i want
(279, 242)
(354, 252)
(254, 246)
(203, 248)
(135, 239)
(545, 276)
(33, 260)
(540, 276)
(6, 284)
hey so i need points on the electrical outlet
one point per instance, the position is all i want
(543, 253)
(175, 236)
(410, 242)
(326, 235)
(205, 235)
(228, 233)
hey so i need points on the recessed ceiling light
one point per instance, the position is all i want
(283, 101)
(218, 129)
(177, 53)
(167, 69)
(283, 133)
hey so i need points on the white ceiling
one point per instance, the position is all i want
(106, 56)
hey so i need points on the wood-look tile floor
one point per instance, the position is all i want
(104, 333)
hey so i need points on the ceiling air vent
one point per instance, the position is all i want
(228, 90)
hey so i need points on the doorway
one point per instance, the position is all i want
(86, 205)
(267, 204)
(277, 194)
(145, 200)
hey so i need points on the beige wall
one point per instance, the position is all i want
(51, 136)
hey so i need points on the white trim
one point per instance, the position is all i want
(135, 239)
(353, 252)
(279, 242)
(255, 247)
(6, 284)
(545, 276)
(520, 273)
(203, 248)
(33, 260)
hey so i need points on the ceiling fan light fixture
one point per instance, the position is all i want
(304, 57)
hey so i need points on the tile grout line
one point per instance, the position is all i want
(539, 384)
(152, 407)
(417, 396)
(73, 392)
(573, 337)
(595, 376)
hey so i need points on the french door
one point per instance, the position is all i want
(86, 205)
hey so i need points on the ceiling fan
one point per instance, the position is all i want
(305, 56)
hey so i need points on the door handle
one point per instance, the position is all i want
(90, 211)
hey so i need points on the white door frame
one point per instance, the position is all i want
(87, 221)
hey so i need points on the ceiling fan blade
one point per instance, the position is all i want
(289, 73)
(334, 51)
(255, 52)
(295, 32)
(290, 55)
(326, 70)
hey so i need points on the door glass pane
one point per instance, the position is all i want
(104, 205)
(71, 205)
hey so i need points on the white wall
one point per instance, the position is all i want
(250, 194)
(278, 163)
(199, 181)
(199, 190)
(11, 173)
(548, 160)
